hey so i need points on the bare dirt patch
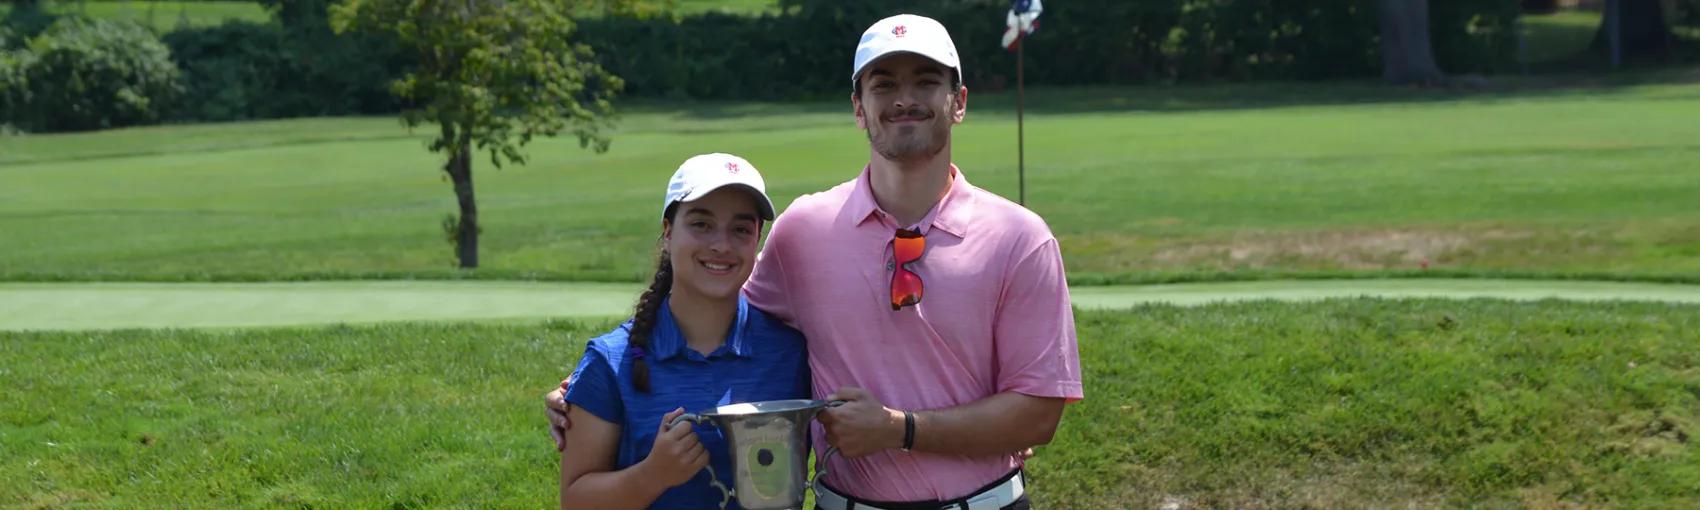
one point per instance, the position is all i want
(1362, 248)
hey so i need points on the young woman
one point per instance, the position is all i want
(693, 344)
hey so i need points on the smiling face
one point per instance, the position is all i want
(713, 243)
(907, 104)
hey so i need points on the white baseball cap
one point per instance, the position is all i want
(705, 173)
(906, 33)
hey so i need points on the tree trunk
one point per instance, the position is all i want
(1407, 54)
(1644, 31)
(460, 172)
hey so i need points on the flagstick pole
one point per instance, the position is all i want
(1020, 100)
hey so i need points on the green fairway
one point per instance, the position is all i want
(1229, 178)
(87, 306)
(159, 15)
(729, 6)
(1559, 35)
(1337, 404)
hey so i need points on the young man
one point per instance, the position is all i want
(938, 310)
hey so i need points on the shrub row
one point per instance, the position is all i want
(84, 74)
(807, 50)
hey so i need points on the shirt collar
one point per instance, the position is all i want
(951, 214)
(667, 341)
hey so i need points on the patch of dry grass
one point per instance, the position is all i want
(1670, 245)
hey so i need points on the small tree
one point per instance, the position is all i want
(492, 75)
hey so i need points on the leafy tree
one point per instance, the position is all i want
(492, 75)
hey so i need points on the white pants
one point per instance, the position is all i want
(992, 499)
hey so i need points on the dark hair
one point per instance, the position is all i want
(643, 321)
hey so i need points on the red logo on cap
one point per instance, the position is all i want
(899, 31)
(732, 167)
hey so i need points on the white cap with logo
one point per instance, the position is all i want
(906, 33)
(705, 173)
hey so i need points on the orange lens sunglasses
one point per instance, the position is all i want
(905, 284)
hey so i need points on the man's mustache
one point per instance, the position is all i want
(910, 114)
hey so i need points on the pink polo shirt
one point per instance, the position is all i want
(995, 317)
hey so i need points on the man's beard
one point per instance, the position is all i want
(917, 145)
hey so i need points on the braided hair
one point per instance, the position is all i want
(643, 321)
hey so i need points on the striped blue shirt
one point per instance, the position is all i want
(762, 359)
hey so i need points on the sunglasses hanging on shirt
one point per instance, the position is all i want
(907, 247)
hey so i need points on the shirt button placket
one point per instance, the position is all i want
(711, 380)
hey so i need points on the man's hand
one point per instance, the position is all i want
(556, 410)
(862, 426)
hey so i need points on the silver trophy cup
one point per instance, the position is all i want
(769, 444)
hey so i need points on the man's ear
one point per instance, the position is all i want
(959, 108)
(861, 116)
(666, 230)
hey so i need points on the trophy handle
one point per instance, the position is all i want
(725, 493)
(820, 471)
(814, 483)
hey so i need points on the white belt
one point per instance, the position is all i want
(993, 499)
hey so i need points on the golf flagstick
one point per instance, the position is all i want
(1023, 18)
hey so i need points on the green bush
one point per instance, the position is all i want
(13, 89)
(242, 70)
(84, 75)
(233, 70)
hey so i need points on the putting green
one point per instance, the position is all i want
(82, 306)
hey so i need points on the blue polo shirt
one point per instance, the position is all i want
(761, 359)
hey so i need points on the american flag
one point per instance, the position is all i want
(1023, 19)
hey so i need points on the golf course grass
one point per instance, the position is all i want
(99, 306)
(1316, 295)
(1133, 181)
(1343, 403)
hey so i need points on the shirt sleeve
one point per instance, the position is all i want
(766, 287)
(596, 388)
(1034, 332)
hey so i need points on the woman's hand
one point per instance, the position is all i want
(677, 456)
